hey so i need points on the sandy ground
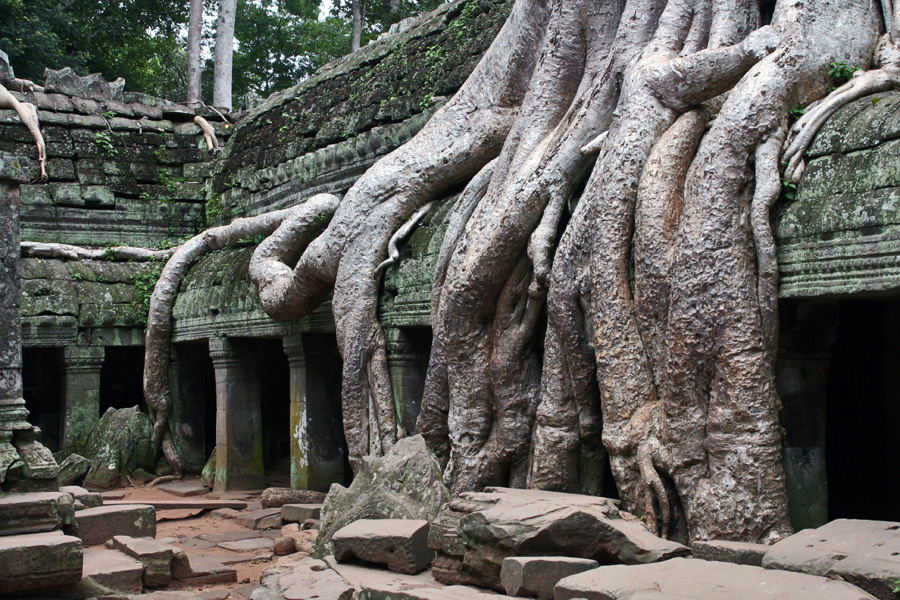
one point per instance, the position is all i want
(178, 528)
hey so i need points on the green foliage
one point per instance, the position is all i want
(103, 139)
(108, 252)
(214, 207)
(840, 73)
(789, 189)
(797, 112)
(381, 14)
(896, 589)
(77, 276)
(143, 289)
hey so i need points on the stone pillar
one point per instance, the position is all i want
(81, 392)
(186, 390)
(300, 433)
(808, 330)
(239, 448)
(25, 464)
(407, 367)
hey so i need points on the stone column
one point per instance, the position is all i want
(239, 448)
(81, 392)
(186, 389)
(407, 367)
(300, 433)
(25, 464)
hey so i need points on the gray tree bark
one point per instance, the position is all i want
(223, 54)
(195, 31)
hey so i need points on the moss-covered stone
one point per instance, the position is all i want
(117, 445)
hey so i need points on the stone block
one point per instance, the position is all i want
(96, 525)
(73, 469)
(248, 545)
(865, 553)
(184, 487)
(399, 544)
(98, 196)
(41, 511)
(683, 578)
(739, 553)
(109, 571)
(536, 576)
(88, 499)
(298, 513)
(38, 561)
(309, 579)
(155, 557)
(264, 518)
(201, 570)
(275, 497)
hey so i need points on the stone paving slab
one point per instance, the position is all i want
(38, 561)
(203, 570)
(692, 579)
(399, 544)
(111, 570)
(156, 558)
(248, 545)
(96, 525)
(184, 488)
(865, 553)
(739, 553)
(180, 504)
(178, 514)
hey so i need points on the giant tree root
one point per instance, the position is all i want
(28, 113)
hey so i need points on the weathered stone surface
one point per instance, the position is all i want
(154, 556)
(87, 499)
(865, 553)
(284, 545)
(178, 514)
(407, 483)
(536, 576)
(248, 545)
(93, 86)
(399, 544)
(197, 570)
(38, 561)
(184, 488)
(108, 572)
(739, 553)
(683, 579)
(298, 513)
(276, 497)
(303, 538)
(502, 522)
(72, 469)
(117, 445)
(96, 525)
(39, 511)
(182, 504)
(264, 518)
(305, 579)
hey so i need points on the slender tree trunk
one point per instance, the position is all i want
(195, 29)
(224, 53)
(358, 9)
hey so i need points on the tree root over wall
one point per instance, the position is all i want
(606, 289)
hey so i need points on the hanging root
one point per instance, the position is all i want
(402, 234)
(28, 114)
(209, 134)
(159, 320)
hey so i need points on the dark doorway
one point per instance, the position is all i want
(275, 403)
(122, 378)
(42, 390)
(863, 412)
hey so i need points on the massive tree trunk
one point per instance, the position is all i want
(195, 30)
(223, 54)
(621, 159)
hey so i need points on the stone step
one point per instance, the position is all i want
(201, 570)
(298, 513)
(177, 504)
(156, 558)
(34, 512)
(536, 576)
(110, 571)
(684, 578)
(399, 544)
(264, 518)
(739, 553)
(39, 561)
(97, 525)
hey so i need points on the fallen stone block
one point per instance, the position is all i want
(201, 570)
(865, 553)
(155, 557)
(184, 488)
(264, 518)
(399, 544)
(248, 545)
(72, 469)
(298, 513)
(303, 538)
(96, 525)
(109, 571)
(38, 561)
(88, 499)
(536, 576)
(307, 579)
(683, 579)
(278, 497)
(739, 553)
(34, 512)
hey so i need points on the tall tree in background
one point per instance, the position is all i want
(195, 32)
(224, 53)
(358, 10)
